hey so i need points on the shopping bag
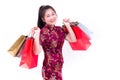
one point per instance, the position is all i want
(14, 49)
(87, 31)
(19, 53)
(28, 58)
(82, 42)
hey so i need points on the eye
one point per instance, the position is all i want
(53, 14)
(48, 15)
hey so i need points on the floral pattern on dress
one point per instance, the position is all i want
(52, 39)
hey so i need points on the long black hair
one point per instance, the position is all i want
(41, 15)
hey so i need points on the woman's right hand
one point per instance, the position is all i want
(36, 34)
(35, 31)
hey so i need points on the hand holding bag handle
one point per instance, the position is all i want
(36, 45)
(82, 42)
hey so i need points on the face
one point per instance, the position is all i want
(50, 17)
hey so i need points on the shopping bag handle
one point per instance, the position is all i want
(32, 32)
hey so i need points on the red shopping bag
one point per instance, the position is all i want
(28, 58)
(82, 42)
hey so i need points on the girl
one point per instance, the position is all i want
(51, 39)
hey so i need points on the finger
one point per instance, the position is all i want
(36, 27)
(66, 19)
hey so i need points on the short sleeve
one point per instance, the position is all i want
(41, 38)
(65, 30)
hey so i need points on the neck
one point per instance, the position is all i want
(50, 26)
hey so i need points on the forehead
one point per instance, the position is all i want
(49, 11)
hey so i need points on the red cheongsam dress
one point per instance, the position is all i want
(51, 40)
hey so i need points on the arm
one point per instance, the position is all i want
(36, 46)
(70, 36)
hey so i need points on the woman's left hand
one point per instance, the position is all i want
(66, 22)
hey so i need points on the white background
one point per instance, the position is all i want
(100, 62)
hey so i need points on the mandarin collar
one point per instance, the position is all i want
(49, 27)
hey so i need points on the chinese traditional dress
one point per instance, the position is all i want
(52, 39)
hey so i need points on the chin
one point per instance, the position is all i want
(52, 24)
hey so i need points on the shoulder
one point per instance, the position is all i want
(44, 31)
(59, 28)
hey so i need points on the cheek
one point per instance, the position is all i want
(46, 20)
(55, 16)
